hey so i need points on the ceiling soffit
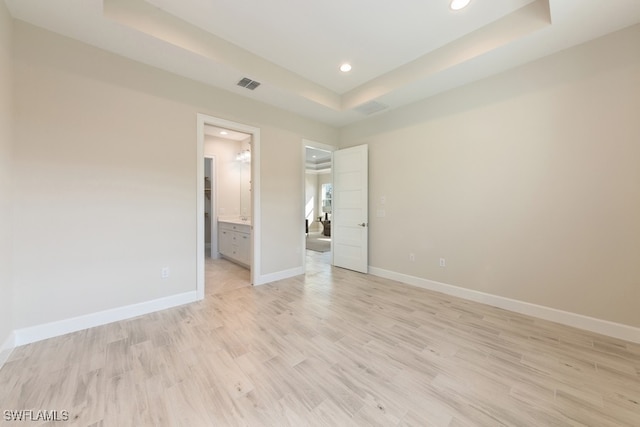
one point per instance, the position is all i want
(402, 53)
(153, 21)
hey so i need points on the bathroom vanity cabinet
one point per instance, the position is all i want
(234, 241)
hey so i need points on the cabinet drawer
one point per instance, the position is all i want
(225, 226)
(242, 228)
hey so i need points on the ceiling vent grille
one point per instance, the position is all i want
(248, 83)
(371, 107)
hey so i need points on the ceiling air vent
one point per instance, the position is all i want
(371, 107)
(248, 83)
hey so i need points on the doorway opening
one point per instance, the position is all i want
(228, 190)
(318, 201)
(210, 207)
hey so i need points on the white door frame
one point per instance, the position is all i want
(313, 144)
(202, 120)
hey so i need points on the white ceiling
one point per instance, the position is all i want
(317, 159)
(228, 133)
(312, 38)
(401, 51)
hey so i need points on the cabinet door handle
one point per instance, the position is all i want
(364, 224)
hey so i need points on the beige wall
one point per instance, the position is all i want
(106, 173)
(6, 141)
(283, 206)
(227, 174)
(311, 200)
(527, 183)
(245, 180)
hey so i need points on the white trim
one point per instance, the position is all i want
(280, 275)
(317, 171)
(200, 122)
(604, 327)
(256, 259)
(256, 208)
(61, 327)
(7, 347)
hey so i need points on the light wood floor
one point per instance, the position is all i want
(334, 348)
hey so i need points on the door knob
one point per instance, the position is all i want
(364, 224)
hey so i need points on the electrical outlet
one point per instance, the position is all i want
(165, 272)
(443, 262)
(412, 257)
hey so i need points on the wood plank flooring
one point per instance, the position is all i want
(332, 348)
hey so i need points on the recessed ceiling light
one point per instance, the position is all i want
(224, 132)
(345, 68)
(459, 4)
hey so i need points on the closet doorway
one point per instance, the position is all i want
(210, 207)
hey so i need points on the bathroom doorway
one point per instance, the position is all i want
(228, 188)
(227, 215)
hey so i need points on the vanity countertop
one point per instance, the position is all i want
(236, 221)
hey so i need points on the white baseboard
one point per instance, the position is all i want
(279, 275)
(7, 347)
(61, 327)
(604, 327)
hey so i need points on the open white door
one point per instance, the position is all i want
(350, 222)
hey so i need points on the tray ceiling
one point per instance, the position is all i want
(400, 52)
